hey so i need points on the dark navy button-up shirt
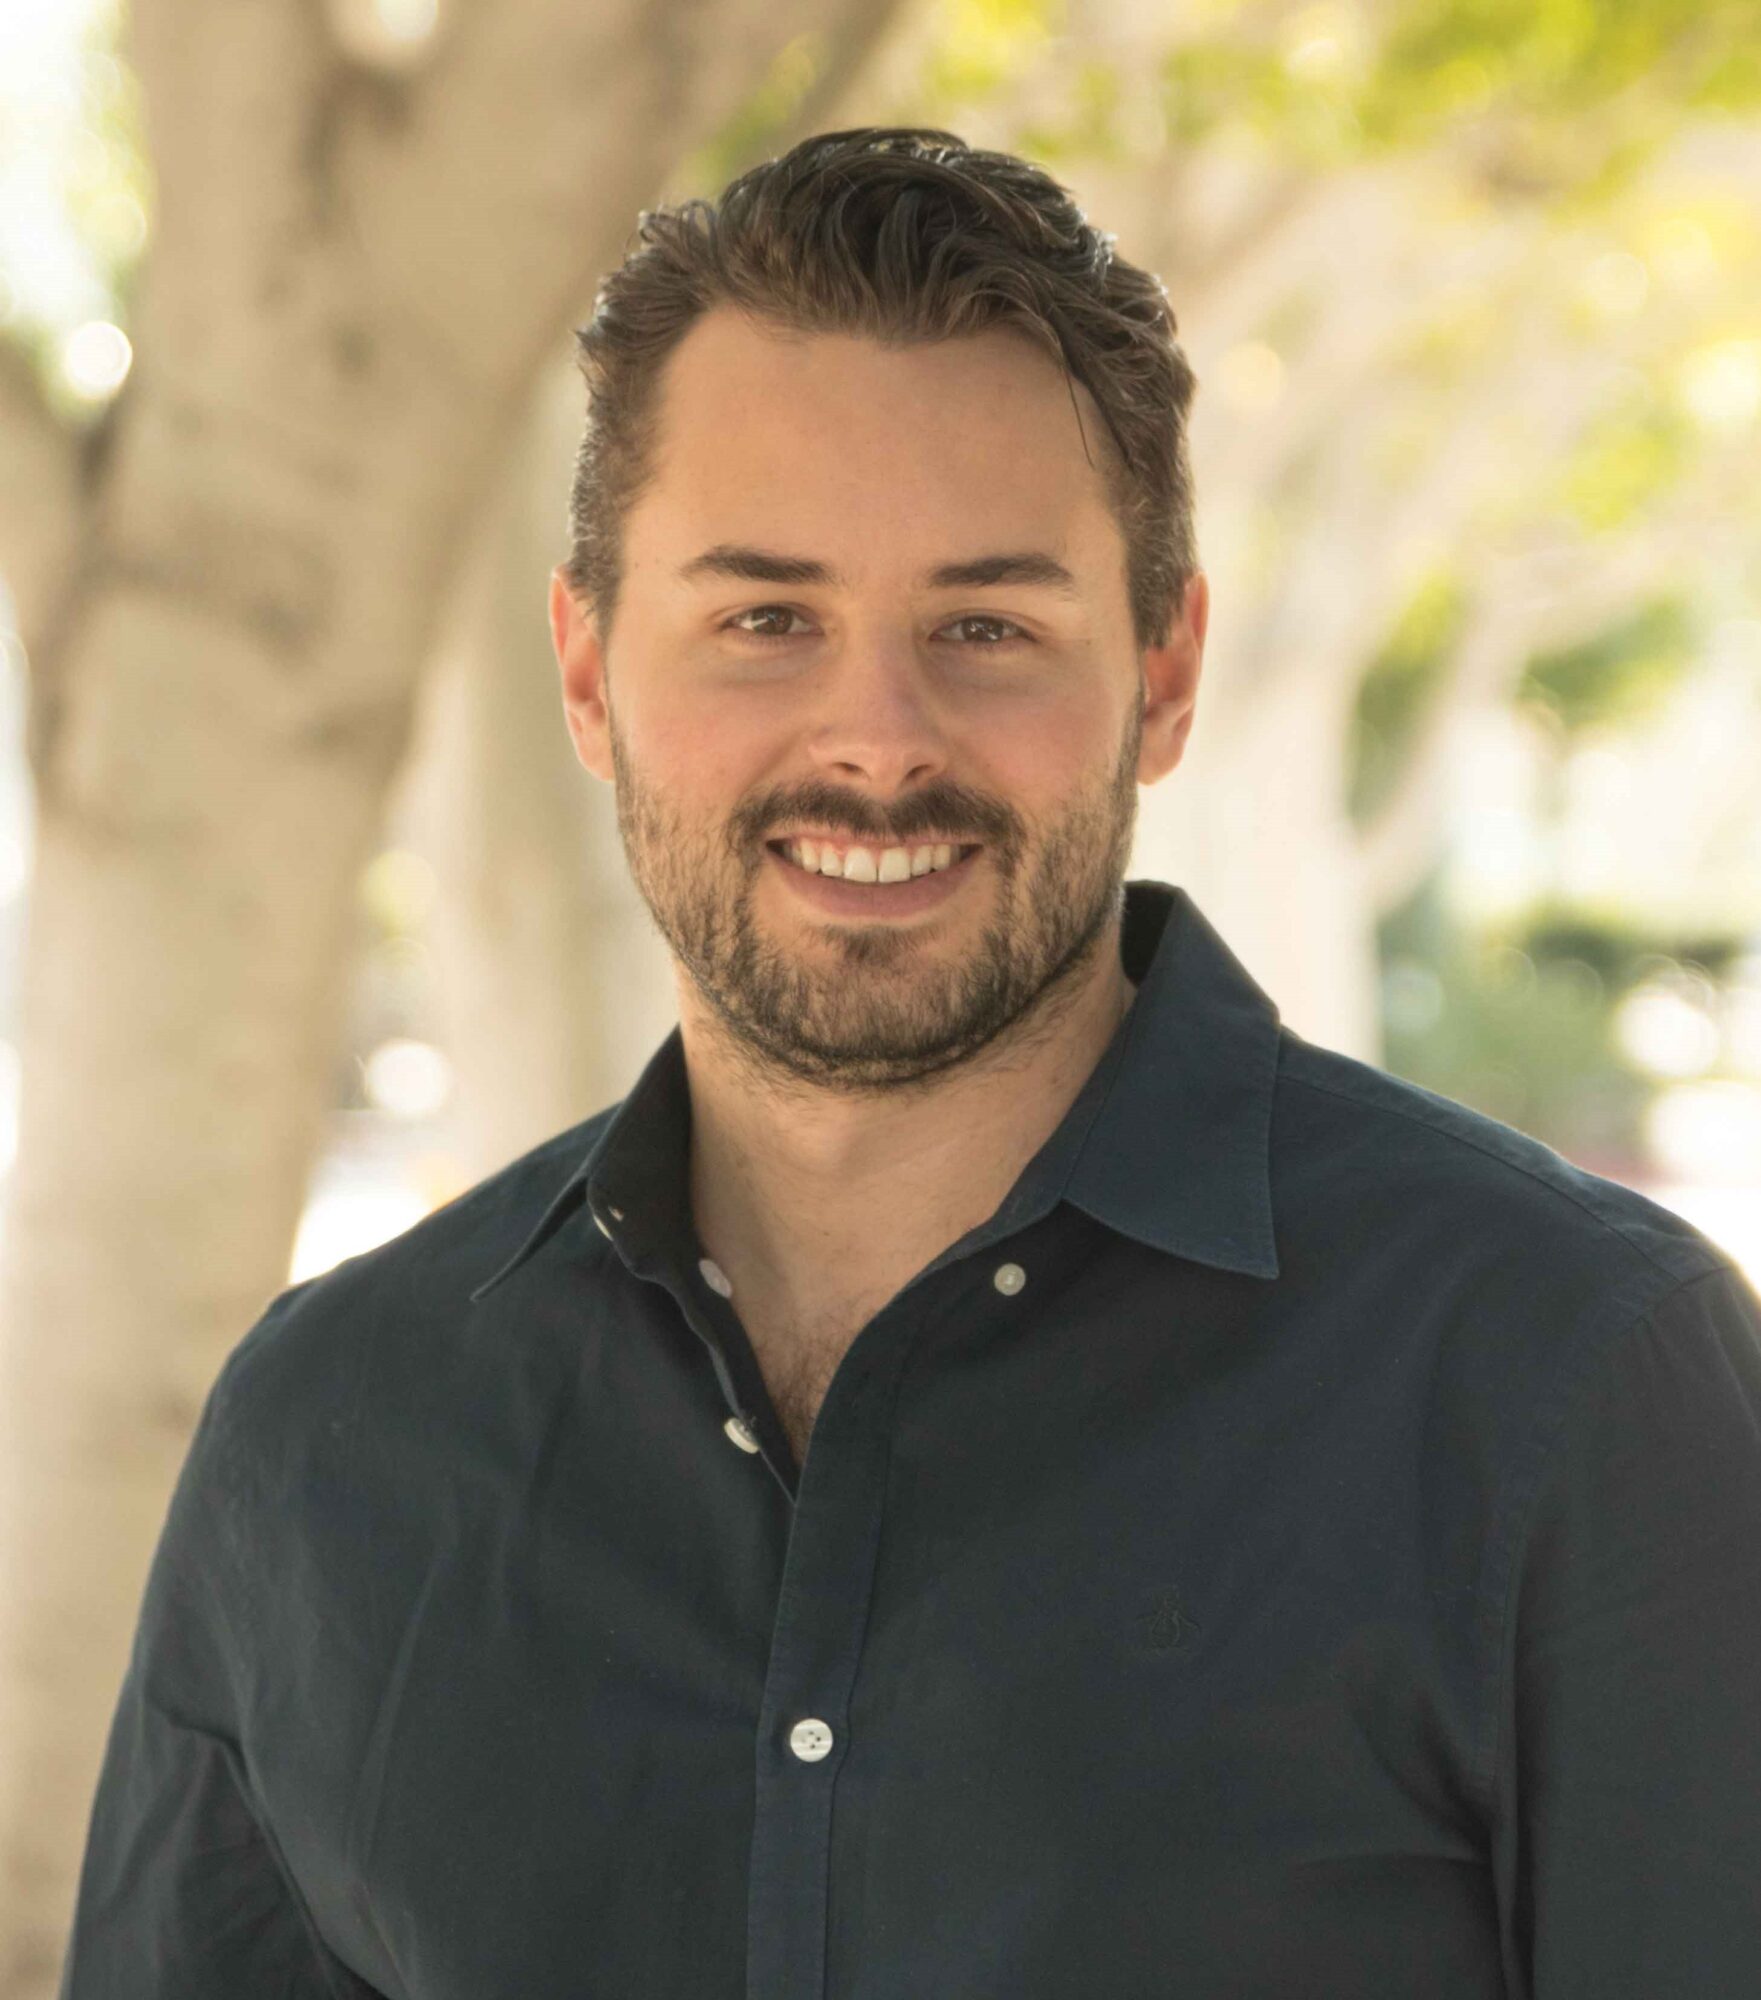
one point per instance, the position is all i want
(1306, 1545)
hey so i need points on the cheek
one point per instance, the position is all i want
(689, 749)
(1061, 750)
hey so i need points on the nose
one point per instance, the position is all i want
(878, 721)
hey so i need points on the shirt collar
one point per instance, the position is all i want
(1168, 1141)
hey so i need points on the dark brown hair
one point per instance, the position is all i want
(902, 235)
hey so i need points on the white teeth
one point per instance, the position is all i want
(859, 864)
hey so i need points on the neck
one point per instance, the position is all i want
(791, 1181)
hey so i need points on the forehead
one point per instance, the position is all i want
(810, 439)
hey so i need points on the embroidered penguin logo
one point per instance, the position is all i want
(1163, 1627)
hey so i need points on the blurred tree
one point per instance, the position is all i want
(373, 225)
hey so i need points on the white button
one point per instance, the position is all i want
(810, 1740)
(741, 1432)
(617, 1215)
(715, 1277)
(600, 1219)
(1009, 1279)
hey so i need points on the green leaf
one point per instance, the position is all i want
(1619, 676)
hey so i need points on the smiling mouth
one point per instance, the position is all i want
(866, 863)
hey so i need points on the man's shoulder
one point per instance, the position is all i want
(313, 1333)
(1449, 1180)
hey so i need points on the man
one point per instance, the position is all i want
(997, 1472)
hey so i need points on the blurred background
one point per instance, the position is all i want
(308, 917)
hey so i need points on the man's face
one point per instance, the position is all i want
(868, 704)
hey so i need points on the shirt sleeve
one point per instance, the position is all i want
(1632, 1775)
(182, 1895)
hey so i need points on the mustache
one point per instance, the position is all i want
(948, 814)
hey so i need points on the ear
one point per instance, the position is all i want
(1170, 678)
(575, 638)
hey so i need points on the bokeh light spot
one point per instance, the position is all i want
(407, 1078)
(95, 360)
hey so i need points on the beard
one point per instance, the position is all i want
(866, 1008)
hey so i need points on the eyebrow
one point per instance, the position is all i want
(748, 565)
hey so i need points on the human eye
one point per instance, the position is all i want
(985, 618)
(762, 611)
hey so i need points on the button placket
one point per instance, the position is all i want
(805, 1726)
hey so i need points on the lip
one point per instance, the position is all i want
(874, 901)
